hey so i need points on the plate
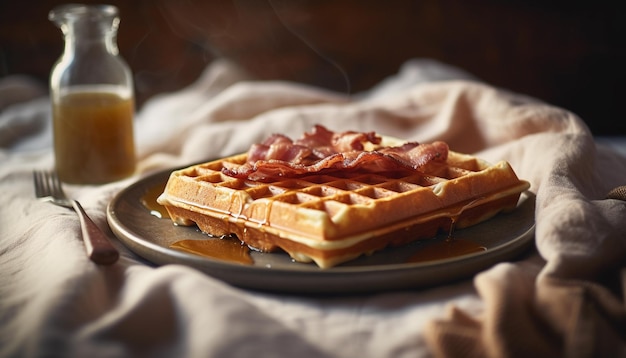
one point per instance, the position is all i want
(503, 238)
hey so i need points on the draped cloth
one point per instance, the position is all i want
(563, 298)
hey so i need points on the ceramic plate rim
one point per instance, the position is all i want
(310, 279)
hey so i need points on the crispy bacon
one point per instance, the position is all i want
(324, 151)
(324, 142)
(278, 147)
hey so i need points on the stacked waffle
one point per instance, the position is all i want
(333, 216)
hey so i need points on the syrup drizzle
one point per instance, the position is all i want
(445, 249)
(149, 201)
(451, 246)
(232, 250)
(226, 249)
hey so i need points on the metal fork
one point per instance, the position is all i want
(99, 248)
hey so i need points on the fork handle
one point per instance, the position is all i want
(99, 249)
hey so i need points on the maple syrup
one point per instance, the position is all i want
(232, 249)
(149, 201)
(225, 249)
(93, 136)
(445, 249)
(450, 247)
(91, 91)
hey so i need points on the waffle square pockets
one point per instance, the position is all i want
(330, 218)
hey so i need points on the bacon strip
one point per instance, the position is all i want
(324, 151)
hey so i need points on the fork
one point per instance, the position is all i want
(99, 249)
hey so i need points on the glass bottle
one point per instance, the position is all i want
(91, 90)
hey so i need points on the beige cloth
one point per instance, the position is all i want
(562, 300)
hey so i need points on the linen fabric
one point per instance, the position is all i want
(563, 298)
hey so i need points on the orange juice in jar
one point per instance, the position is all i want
(93, 134)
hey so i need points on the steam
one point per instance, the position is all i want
(189, 22)
(332, 62)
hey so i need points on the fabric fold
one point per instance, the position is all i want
(564, 299)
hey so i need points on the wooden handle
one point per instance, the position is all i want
(99, 249)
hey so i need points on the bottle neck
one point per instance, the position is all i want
(90, 56)
(103, 43)
(87, 28)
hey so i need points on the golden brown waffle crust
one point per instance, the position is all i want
(334, 218)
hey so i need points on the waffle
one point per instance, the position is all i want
(331, 219)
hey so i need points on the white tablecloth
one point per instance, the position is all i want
(562, 298)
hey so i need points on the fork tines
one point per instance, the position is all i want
(46, 183)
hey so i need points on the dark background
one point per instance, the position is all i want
(570, 54)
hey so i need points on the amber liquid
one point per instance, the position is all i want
(149, 201)
(93, 136)
(232, 250)
(449, 248)
(446, 249)
(226, 249)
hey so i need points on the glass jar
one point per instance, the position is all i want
(91, 91)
